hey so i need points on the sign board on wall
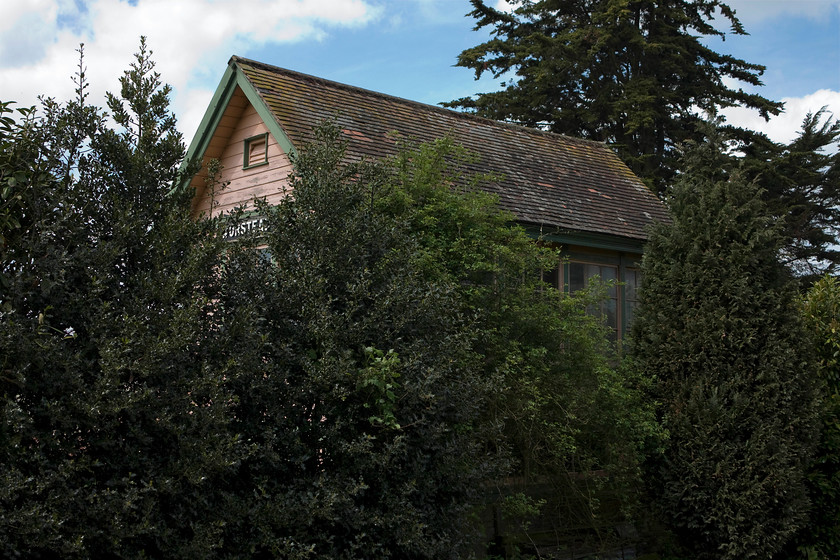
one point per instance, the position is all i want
(254, 224)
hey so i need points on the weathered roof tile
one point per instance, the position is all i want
(547, 179)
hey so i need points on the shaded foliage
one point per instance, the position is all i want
(16, 174)
(573, 425)
(112, 428)
(820, 539)
(357, 384)
(719, 332)
(167, 394)
(406, 332)
(353, 382)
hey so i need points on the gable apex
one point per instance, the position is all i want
(233, 88)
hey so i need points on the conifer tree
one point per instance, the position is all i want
(630, 73)
(820, 538)
(801, 186)
(719, 332)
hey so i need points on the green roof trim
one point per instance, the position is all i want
(586, 239)
(232, 77)
(212, 116)
(263, 111)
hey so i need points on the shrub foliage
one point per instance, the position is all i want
(354, 381)
(719, 332)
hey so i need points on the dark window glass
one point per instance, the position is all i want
(632, 281)
(580, 274)
(552, 277)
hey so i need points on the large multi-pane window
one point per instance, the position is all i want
(580, 274)
(618, 308)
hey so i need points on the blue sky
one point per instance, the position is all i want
(400, 47)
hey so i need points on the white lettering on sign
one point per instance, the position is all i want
(254, 225)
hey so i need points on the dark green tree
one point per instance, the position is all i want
(399, 355)
(801, 185)
(573, 424)
(357, 385)
(112, 426)
(719, 332)
(346, 385)
(22, 185)
(633, 73)
(820, 539)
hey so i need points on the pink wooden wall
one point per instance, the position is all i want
(265, 181)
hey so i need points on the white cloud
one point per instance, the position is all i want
(17, 10)
(505, 5)
(39, 39)
(785, 127)
(751, 11)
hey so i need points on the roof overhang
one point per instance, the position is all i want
(232, 78)
(585, 239)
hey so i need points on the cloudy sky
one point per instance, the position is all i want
(400, 47)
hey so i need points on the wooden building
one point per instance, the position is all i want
(576, 193)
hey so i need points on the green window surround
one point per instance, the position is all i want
(255, 152)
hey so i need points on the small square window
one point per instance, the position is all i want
(255, 151)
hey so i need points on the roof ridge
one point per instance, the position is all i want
(443, 110)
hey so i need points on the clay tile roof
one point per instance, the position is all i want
(546, 179)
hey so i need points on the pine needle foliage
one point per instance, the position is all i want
(720, 333)
(820, 538)
(801, 185)
(628, 72)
